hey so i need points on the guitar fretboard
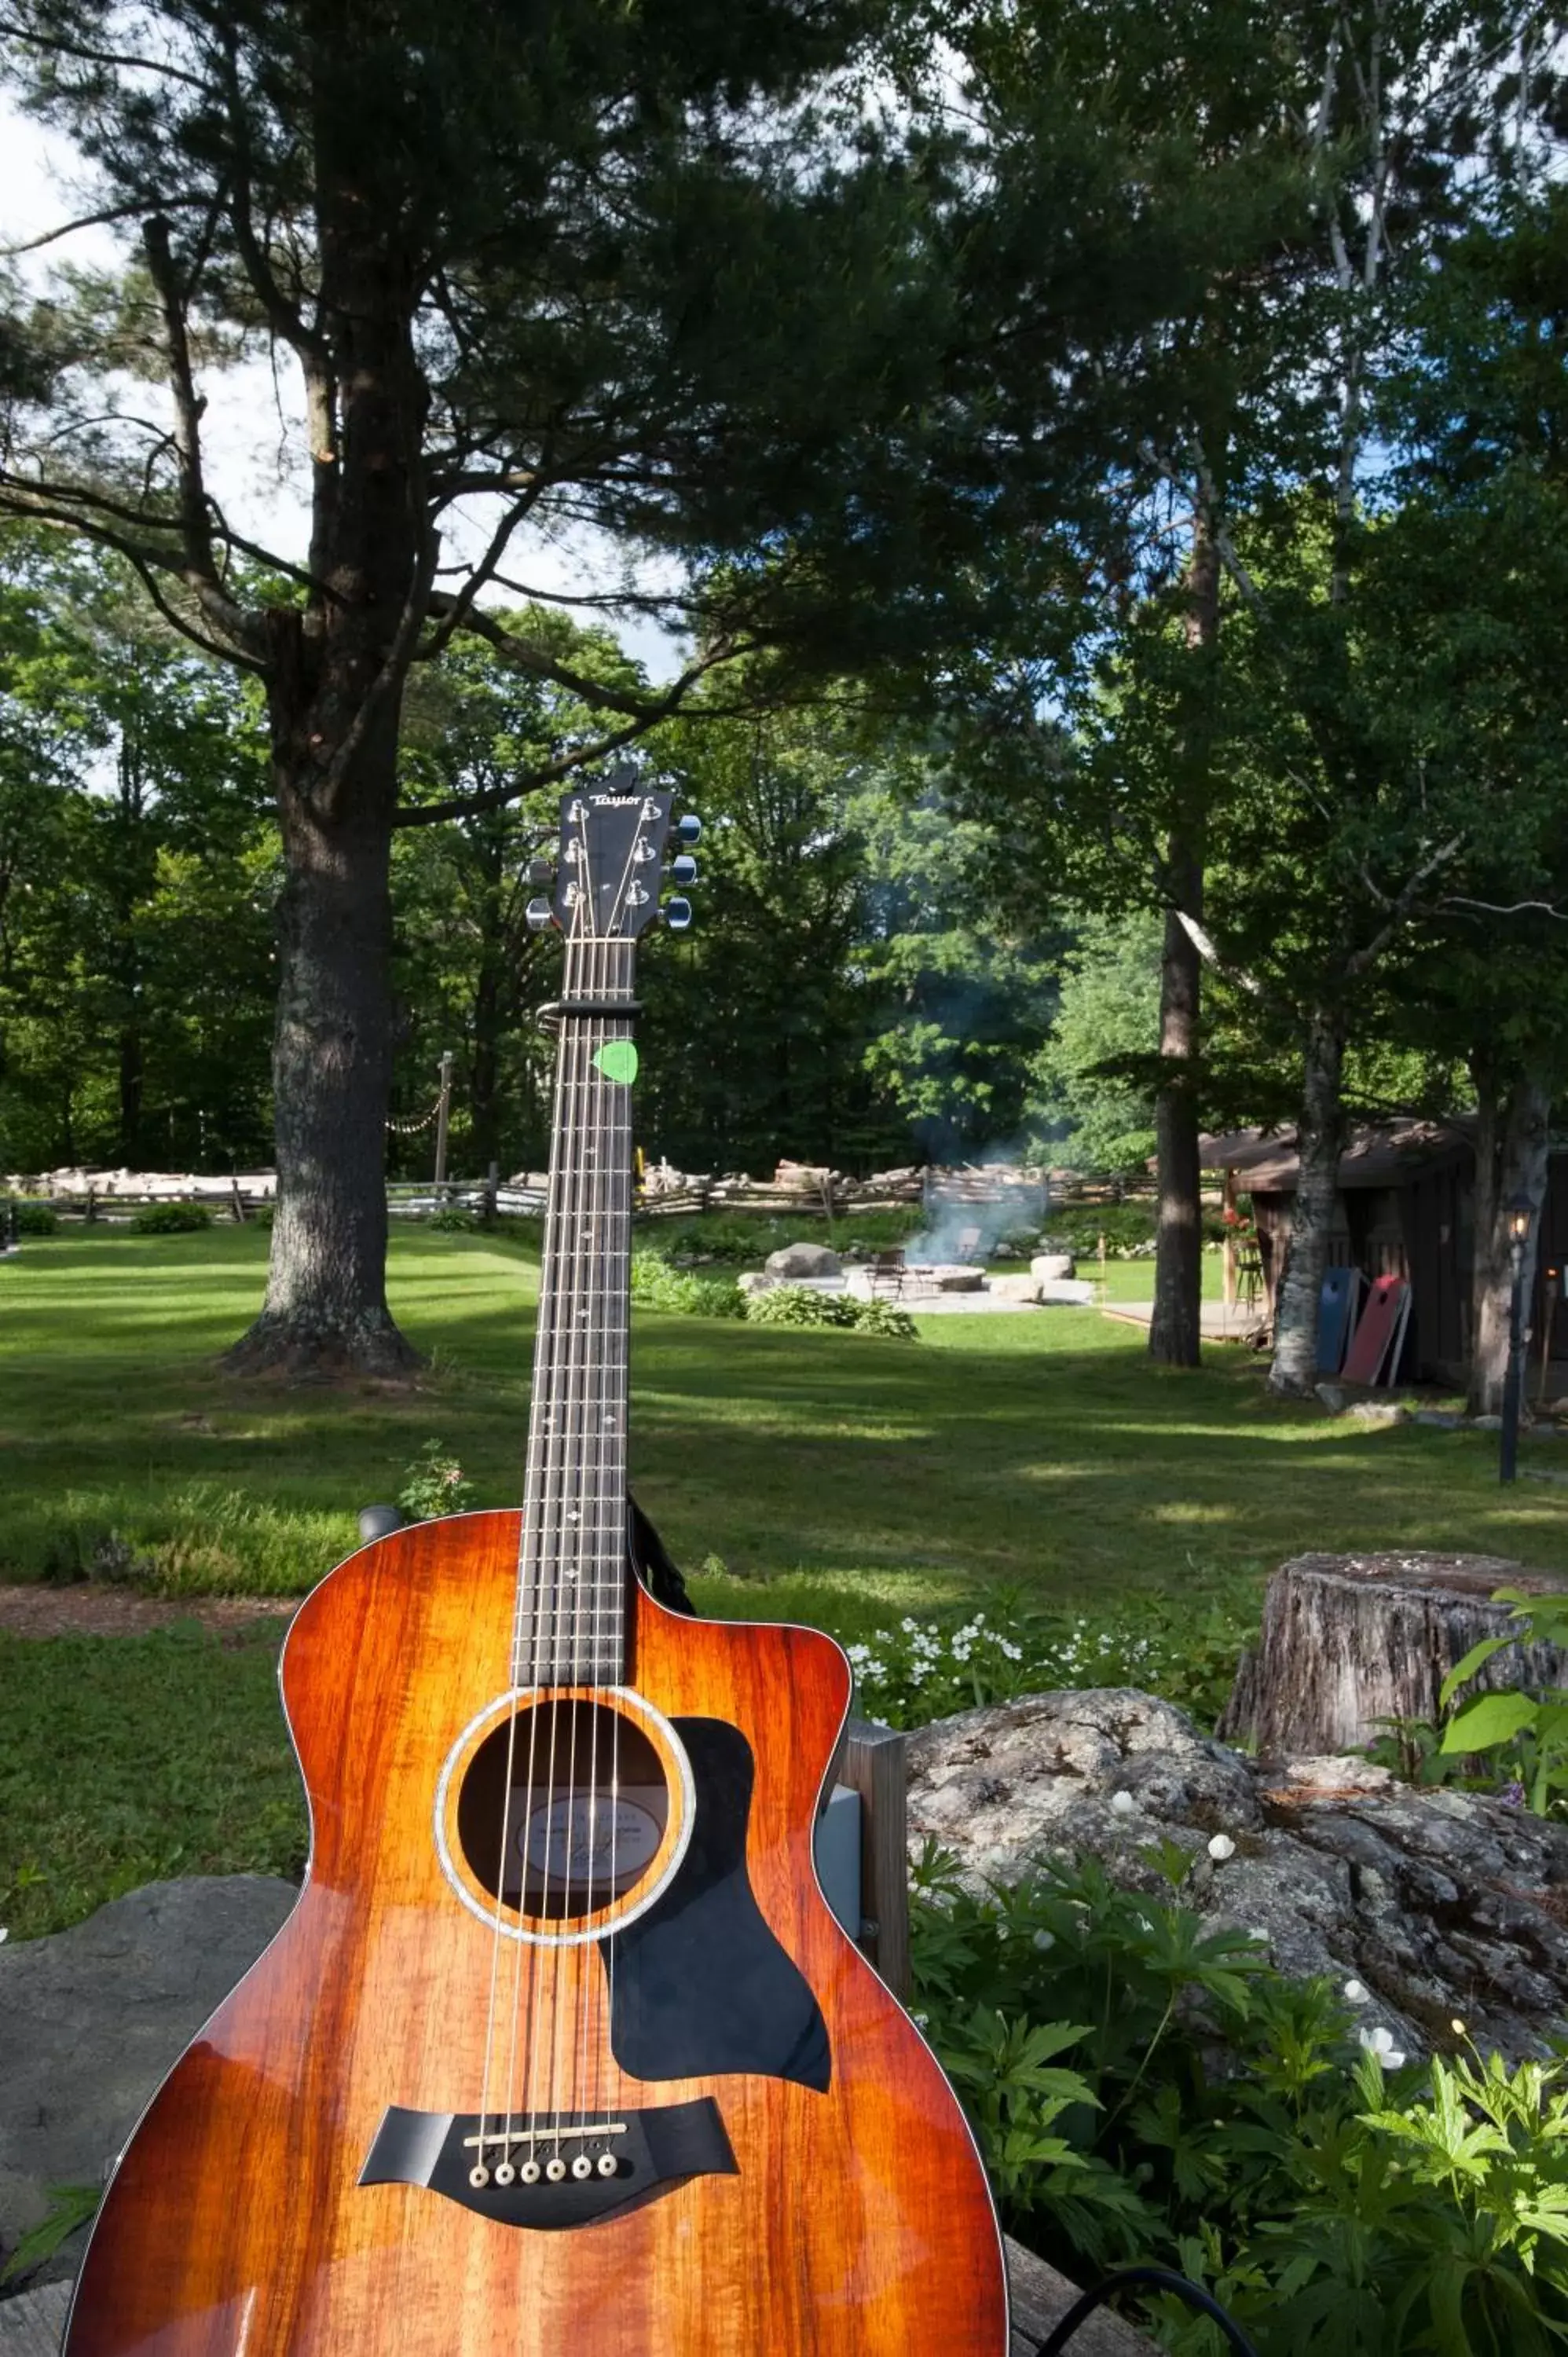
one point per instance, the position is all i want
(571, 1613)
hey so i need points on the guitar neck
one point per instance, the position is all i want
(571, 1624)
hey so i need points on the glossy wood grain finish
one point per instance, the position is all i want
(859, 2223)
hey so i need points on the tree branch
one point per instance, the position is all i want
(1401, 908)
(91, 57)
(200, 567)
(92, 220)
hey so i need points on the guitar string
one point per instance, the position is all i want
(584, 926)
(536, 1523)
(615, 1160)
(515, 1666)
(602, 1243)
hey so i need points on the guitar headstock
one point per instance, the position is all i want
(611, 864)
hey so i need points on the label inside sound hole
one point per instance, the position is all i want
(587, 1847)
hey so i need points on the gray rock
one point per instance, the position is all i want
(1377, 1412)
(753, 1281)
(803, 1260)
(96, 2016)
(1485, 1423)
(1442, 1419)
(1444, 1905)
(1332, 1395)
(1053, 1264)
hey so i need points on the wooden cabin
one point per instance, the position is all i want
(1405, 1207)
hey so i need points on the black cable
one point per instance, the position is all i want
(1158, 2279)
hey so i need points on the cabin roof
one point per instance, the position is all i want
(1381, 1154)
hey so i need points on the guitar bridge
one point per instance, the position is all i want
(548, 2171)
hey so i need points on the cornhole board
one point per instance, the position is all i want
(1380, 1337)
(1337, 1305)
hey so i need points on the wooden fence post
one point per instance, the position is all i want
(875, 1767)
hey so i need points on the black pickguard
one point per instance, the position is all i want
(700, 1985)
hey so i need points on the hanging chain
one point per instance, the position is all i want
(408, 1128)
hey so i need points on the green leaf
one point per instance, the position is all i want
(72, 2206)
(1465, 1669)
(1495, 1719)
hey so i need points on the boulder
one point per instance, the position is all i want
(752, 1280)
(95, 2016)
(795, 1261)
(1442, 1905)
(1053, 1264)
(1014, 1289)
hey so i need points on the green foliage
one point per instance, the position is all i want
(922, 1669)
(1093, 1077)
(797, 1305)
(1530, 1732)
(434, 1484)
(657, 1286)
(71, 2206)
(745, 1238)
(32, 1219)
(1145, 2087)
(1128, 1230)
(170, 1219)
(452, 1220)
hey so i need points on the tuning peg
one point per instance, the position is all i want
(541, 875)
(677, 915)
(539, 916)
(689, 829)
(683, 869)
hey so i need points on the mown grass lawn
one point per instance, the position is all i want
(815, 1474)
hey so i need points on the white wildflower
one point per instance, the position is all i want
(1012, 1652)
(1259, 1935)
(1122, 1804)
(1044, 1939)
(1380, 2044)
(1356, 1993)
(1221, 1847)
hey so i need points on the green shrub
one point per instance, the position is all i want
(452, 1220)
(657, 1286)
(1146, 2086)
(919, 1670)
(798, 1305)
(745, 1238)
(434, 1484)
(32, 1219)
(170, 1219)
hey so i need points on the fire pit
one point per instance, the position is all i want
(918, 1281)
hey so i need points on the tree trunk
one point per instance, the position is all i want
(1175, 1328)
(1350, 1639)
(326, 1308)
(334, 696)
(1512, 1144)
(1298, 1296)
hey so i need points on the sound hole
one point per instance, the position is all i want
(589, 1806)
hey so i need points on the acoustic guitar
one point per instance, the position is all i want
(560, 2052)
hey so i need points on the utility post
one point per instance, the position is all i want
(443, 1108)
(1522, 1211)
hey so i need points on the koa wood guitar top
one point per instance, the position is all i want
(562, 2050)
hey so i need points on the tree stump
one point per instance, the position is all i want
(1348, 1639)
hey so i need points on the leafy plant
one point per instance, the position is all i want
(1530, 1732)
(917, 1670)
(797, 1305)
(71, 2206)
(170, 1219)
(1147, 2085)
(657, 1286)
(434, 1484)
(452, 1220)
(30, 1219)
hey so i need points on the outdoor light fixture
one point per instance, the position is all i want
(1522, 1211)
